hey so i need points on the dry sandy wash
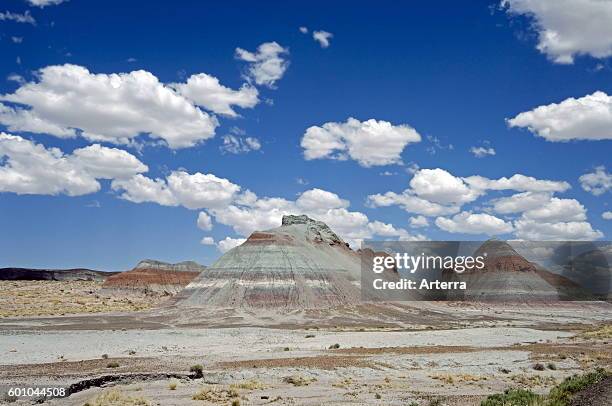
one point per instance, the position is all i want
(459, 354)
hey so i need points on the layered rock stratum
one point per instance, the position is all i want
(302, 264)
(155, 277)
(508, 276)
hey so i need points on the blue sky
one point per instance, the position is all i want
(450, 76)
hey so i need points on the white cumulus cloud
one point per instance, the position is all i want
(481, 152)
(518, 182)
(30, 168)
(235, 144)
(107, 163)
(410, 203)
(584, 118)
(267, 65)
(557, 210)
(322, 37)
(141, 189)
(207, 241)
(370, 143)
(439, 186)
(520, 202)
(68, 100)
(474, 223)
(568, 28)
(418, 221)
(560, 231)
(204, 221)
(318, 199)
(228, 243)
(388, 230)
(607, 215)
(206, 91)
(597, 182)
(193, 191)
(436, 192)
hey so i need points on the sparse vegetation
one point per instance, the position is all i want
(172, 385)
(378, 396)
(297, 380)
(538, 366)
(452, 379)
(236, 402)
(334, 346)
(600, 332)
(551, 366)
(310, 335)
(197, 370)
(104, 356)
(215, 394)
(286, 349)
(560, 395)
(43, 298)
(343, 383)
(531, 381)
(513, 397)
(115, 397)
(251, 384)
(113, 364)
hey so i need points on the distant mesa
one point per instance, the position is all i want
(302, 264)
(151, 277)
(508, 276)
(30, 274)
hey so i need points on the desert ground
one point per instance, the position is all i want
(433, 354)
(47, 298)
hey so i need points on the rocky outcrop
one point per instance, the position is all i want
(153, 277)
(316, 231)
(302, 264)
(29, 274)
(185, 266)
(509, 277)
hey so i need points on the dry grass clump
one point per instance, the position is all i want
(346, 382)
(452, 379)
(215, 394)
(530, 381)
(297, 380)
(172, 385)
(446, 378)
(115, 397)
(601, 332)
(251, 384)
